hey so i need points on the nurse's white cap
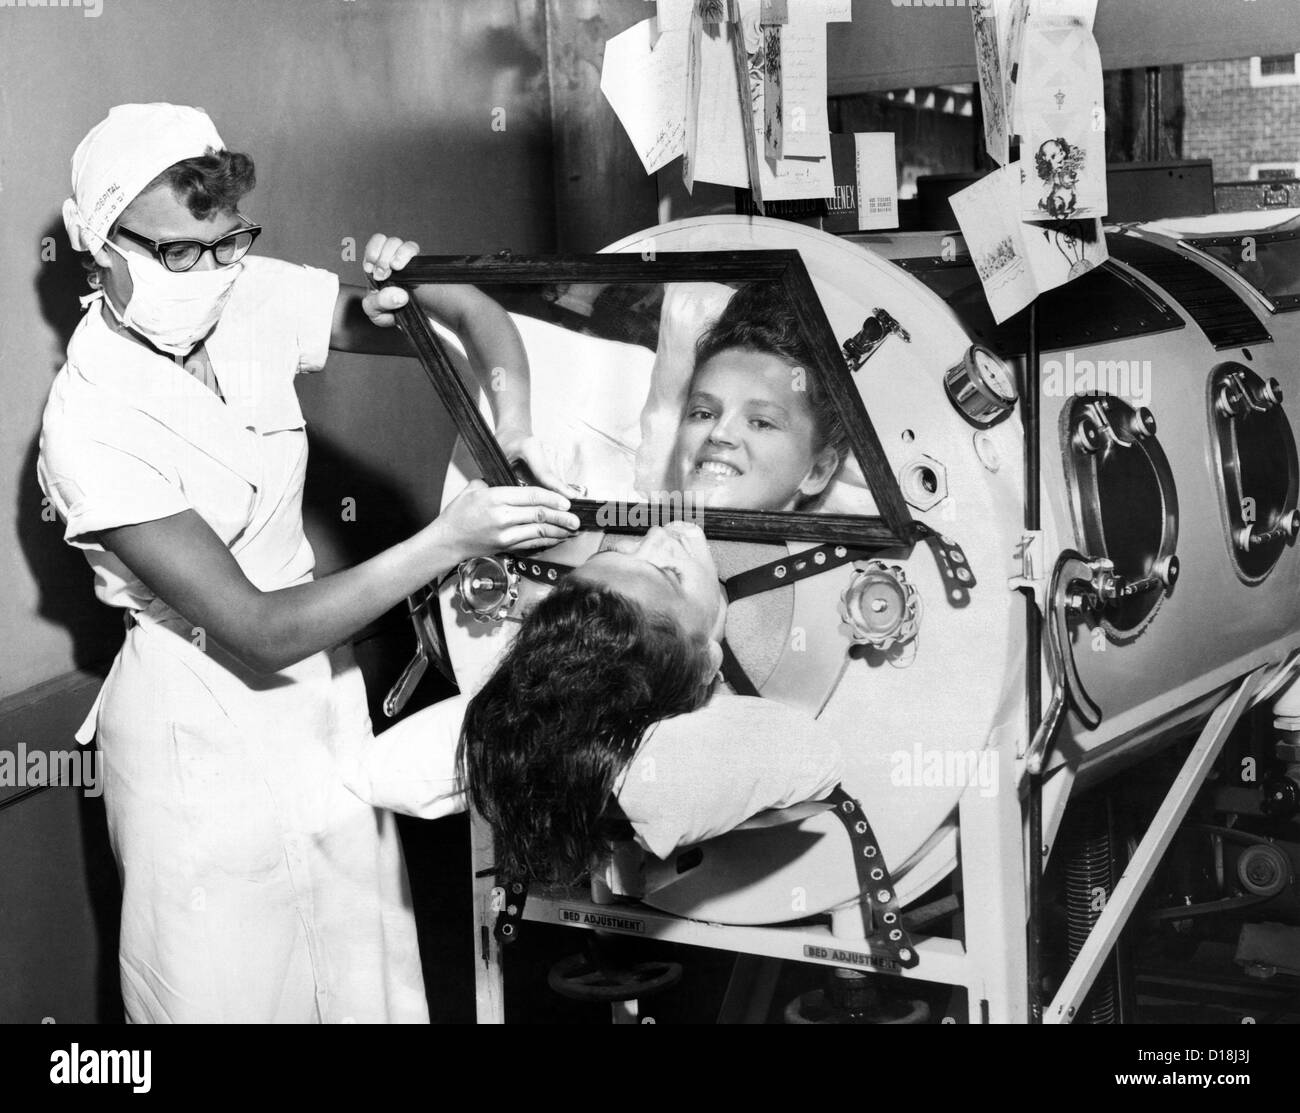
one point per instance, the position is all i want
(121, 155)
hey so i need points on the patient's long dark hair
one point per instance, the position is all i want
(546, 738)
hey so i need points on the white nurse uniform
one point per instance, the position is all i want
(256, 887)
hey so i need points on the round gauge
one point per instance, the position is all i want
(995, 375)
(982, 387)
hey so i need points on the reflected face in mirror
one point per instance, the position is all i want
(748, 437)
(668, 570)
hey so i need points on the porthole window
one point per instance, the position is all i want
(1125, 505)
(1255, 459)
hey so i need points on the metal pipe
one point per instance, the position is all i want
(1154, 113)
(1033, 667)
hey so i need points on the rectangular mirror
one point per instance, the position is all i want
(705, 386)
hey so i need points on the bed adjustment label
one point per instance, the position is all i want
(848, 958)
(604, 920)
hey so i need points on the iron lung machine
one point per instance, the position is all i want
(1163, 561)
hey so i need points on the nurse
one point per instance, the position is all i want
(256, 887)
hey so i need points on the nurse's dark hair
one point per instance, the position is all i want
(545, 739)
(760, 318)
(212, 183)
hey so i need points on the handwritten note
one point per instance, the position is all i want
(803, 82)
(643, 85)
(673, 82)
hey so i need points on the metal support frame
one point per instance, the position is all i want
(995, 899)
(996, 861)
(989, 965)
(1105, 932)
(489, 985)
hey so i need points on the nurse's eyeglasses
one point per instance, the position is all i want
(182, 255)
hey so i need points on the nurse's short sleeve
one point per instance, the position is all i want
(312, 296)
(96, 486)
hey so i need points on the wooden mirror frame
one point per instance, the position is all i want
(893, 528)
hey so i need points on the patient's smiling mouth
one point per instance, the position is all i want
(717, 470)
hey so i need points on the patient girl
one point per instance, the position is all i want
(633, 636)
(758, 431)
(628, 638)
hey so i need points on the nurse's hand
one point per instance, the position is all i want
(520, 445)
(483, 520)
(383, 255)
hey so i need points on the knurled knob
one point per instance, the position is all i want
(1166, 570)
(880, 607)
(1142, 424)
(488, 588)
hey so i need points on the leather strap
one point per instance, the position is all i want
(543, 572)
(790, 569)
(734, 673)
(881, 916)
(511, 916)
(953, 566)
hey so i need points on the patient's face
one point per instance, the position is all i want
(747, 434)
(669, 570)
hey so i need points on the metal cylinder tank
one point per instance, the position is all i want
(1167, 430)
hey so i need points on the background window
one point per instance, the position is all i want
(1274, 69)
(1264, 171)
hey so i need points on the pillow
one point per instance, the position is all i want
(700, 775)
(694, 777)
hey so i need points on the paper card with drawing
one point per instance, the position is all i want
(1061, 119)
(1017, 261)
(986, 213)
(773, 98)
(1060, 251)
(643, 84)
(747, 43)
(720, 145)
(1012, 16)
(988, 61)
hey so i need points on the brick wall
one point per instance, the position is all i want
(1235, 125)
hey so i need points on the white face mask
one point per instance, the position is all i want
(173, 310)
